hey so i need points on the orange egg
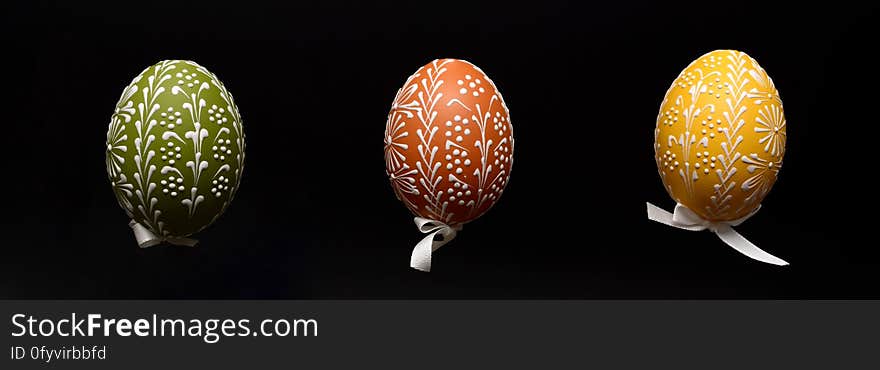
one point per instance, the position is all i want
(448, 142)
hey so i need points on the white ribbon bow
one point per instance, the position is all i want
(421, 255)
(684, 218)
(146, 238)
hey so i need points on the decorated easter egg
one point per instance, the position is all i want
(448, 146)
(720, 139)
(720, 136)
(175, 151)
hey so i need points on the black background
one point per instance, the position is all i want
(315, 215)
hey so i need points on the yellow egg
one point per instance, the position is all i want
(720, 136)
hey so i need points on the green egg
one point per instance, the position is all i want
(175, 149)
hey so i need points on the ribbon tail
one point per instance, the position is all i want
(742, 245)
(659, 214)
(662, 216)
(421, 255)
(144, 237)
